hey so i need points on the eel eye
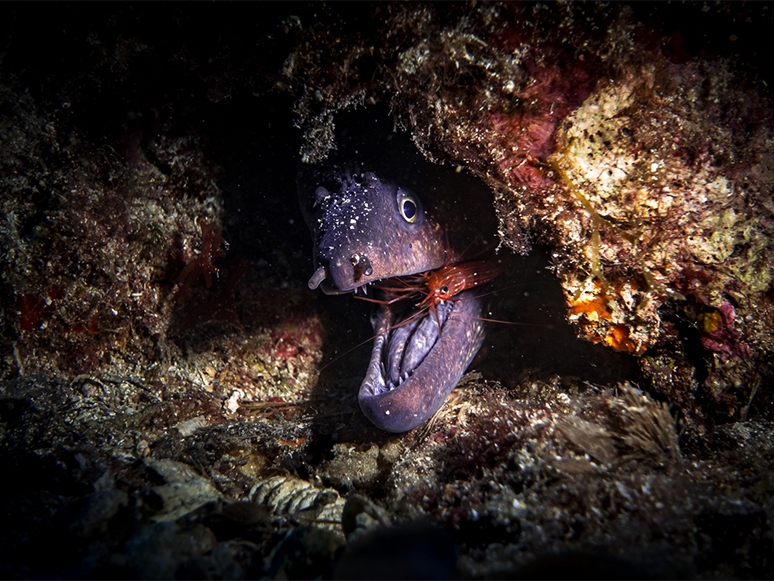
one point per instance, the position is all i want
(408, 206)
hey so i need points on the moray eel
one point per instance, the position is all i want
(365, 229)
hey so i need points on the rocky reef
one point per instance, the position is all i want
(174, 401)
(644, 168)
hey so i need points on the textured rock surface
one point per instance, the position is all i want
(172, 400)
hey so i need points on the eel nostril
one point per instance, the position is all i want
(362, 265)
(318, 276)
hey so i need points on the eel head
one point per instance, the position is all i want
(366, 229)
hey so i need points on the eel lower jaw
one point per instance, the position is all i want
(414, 366)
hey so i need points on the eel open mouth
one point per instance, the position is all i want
(414, 366)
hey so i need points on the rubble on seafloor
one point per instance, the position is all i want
(174, 401)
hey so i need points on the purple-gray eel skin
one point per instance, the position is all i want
(367, 229)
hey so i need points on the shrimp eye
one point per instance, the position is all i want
(444, 289)
(408, 206)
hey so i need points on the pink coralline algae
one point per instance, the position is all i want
(527, 136)
(718, 334)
